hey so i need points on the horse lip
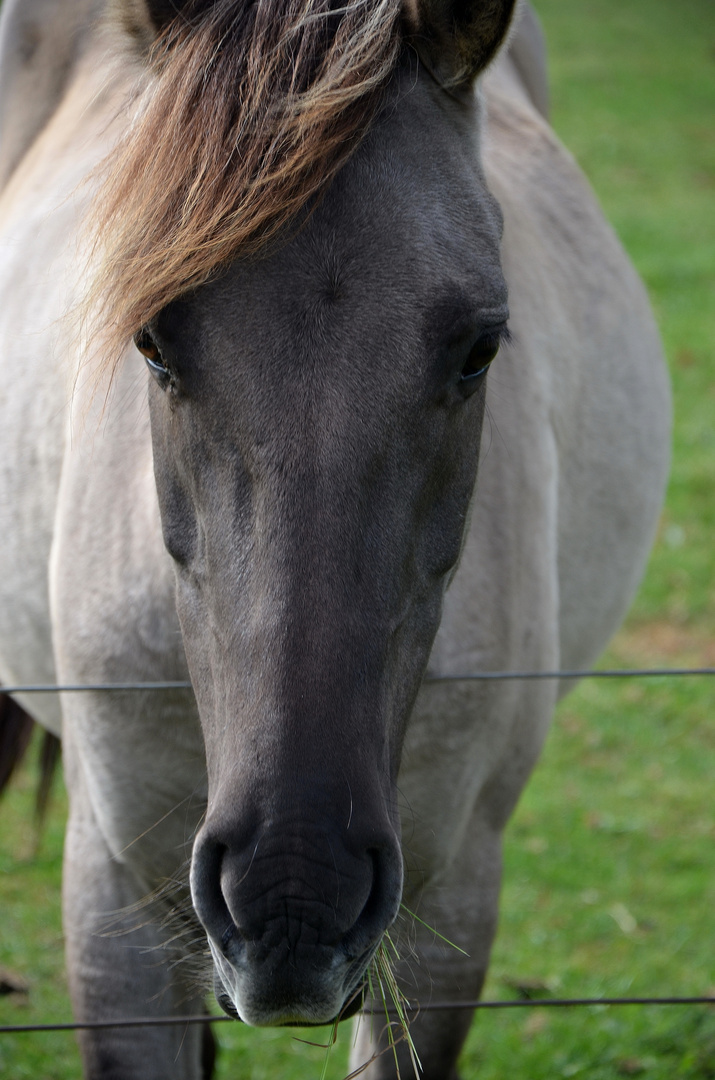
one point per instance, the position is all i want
(225, 972)
(353, 1005)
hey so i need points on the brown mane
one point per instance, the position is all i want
(250, 110)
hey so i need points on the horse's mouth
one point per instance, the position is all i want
(353, 1005)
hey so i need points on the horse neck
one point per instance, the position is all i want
(42, 42)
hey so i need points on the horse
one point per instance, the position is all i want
(279, 278)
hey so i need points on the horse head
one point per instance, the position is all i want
(317, 391)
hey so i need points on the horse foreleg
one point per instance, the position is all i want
(118, 968)
(460, 904)
(437, 1037)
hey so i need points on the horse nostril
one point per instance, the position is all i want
(381, 907)
(206, 893)
(223, 998)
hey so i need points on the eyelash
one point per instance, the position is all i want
(152, 354)
(481, 356)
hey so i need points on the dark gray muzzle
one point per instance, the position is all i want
(294, 910)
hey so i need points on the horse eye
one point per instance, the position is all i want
(480, 357)
(150, 351)
(146, 344)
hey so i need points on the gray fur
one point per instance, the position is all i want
(527, 51)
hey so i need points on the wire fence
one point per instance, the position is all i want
(476, 676)
(433, 1006)
(519, 1003)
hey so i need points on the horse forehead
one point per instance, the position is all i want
(413, 189)
(407, 221)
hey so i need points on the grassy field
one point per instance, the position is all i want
(609, 884)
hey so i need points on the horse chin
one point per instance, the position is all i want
(273, 1014)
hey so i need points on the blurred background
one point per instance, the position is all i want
(609, 883)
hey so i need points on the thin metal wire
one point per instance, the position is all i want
(74, 688)
(477, 676)
(132, 1022)
(433, 1006)
(558, 1003)
(606, 673)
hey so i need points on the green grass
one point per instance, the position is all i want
(609, 887)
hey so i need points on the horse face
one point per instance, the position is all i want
(316, 416)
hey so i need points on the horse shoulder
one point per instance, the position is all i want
(40, 44)
(41, 206)
(588, 361)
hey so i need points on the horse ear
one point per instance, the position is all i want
(162, 12)
(144, 19)
(458, 38)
